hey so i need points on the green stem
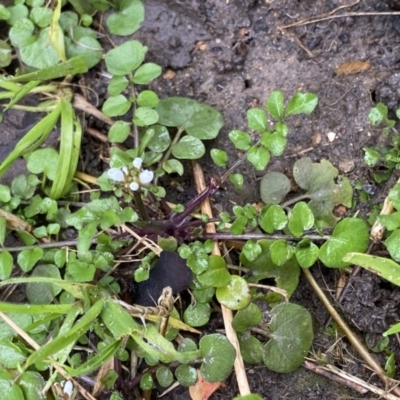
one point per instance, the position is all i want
(168, 152)
(296, 199)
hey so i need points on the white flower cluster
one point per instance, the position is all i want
(134, 178)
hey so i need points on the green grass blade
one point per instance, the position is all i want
(35, 309)
(23, 91)
(33, 139)
(74, 66)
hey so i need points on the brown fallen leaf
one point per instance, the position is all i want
(202, 389)
(352, 67)
(15, 223)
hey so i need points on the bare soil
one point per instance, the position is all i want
(232, 54)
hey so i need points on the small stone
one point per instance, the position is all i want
(347, 166)
(331, 136)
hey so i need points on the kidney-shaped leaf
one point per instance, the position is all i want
(292, 336)
(350, 235)
(197, 119)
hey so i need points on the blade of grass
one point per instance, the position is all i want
(23, 91)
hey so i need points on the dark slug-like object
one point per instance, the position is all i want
(170, 270)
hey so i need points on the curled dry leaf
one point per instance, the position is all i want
(352, 67)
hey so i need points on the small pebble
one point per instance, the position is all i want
(331, 136)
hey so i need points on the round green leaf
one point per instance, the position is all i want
(146, 73)
(41, 16)
(240, 139)
(247, 318)
(160, 141)
(274, 186)
(86, 46)
(32, 384)
(164, 376)
(16, 13)
(147, 98)
(28, 258)
(216, 274)
(272, 218)
(281, 251)
(173, 166)
(124, 59)
(21, 32)
(252, 250)
(250, 348)
(145, 116)
(41, 292)
(350, 235)
(146, 382)
(258, 156)
(292, 337)
(10, 355)
(197, 314)
(119, 132)
(5, 193)
(81, 271)
(116, 105)
(189, 148)
(186, 375)
(39, 54)
(197, 119)
(302, 103)
(218, 357)
(301, 219)
(6, 265)
(44, 160)
(306, 253)
(275, 104)
(274, 142)
(236, 295)
(128, 19)
(237, 180)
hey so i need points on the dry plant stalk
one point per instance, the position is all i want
(227, 314)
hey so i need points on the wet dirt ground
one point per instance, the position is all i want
(232, 54)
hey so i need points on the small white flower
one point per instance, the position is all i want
(137, 162)
(125, 170)
(134, 186)
(146, 176)
(116, 174)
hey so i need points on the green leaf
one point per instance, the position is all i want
(378, 114)
(41, 16)
(117, 85)
(188, 148)
(274, 142)
(147, 98)
(239, 225)
(5, 54)
(240, 139)
(186, 375)
(146, 381)
(237, 180)
(32, 385)
(197, 314)
(146, 73)
(301, 103)
(258, 156)
(371, 156)
(236, 295)
(218, 357)
(219, 157)
(21, 32)
(286, 277)
(119, 131)
(43, 292)
(250, 348)
(252, 249)
(384, 267)
(81, 271)
(172, 165)
(6, 265)
(272, 218)
(281, 252)
(145, 116)
(11, 355)
(5, 194)
(164, 376)
(128, 19)
(117, 320)
(86, 46)
(44, 160)
(247, 318)
(257, 119)
(197, 119)
(392, 243)
(116, 105)
(390, 222)
(216, 274)
(306, 253)
(160, 140)
(292, 337)
(301, 219)
(319, 181)
(281, 129)
(350, 235)
(274, 186)
(275, 104)
(124, 59)
(28, 258)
